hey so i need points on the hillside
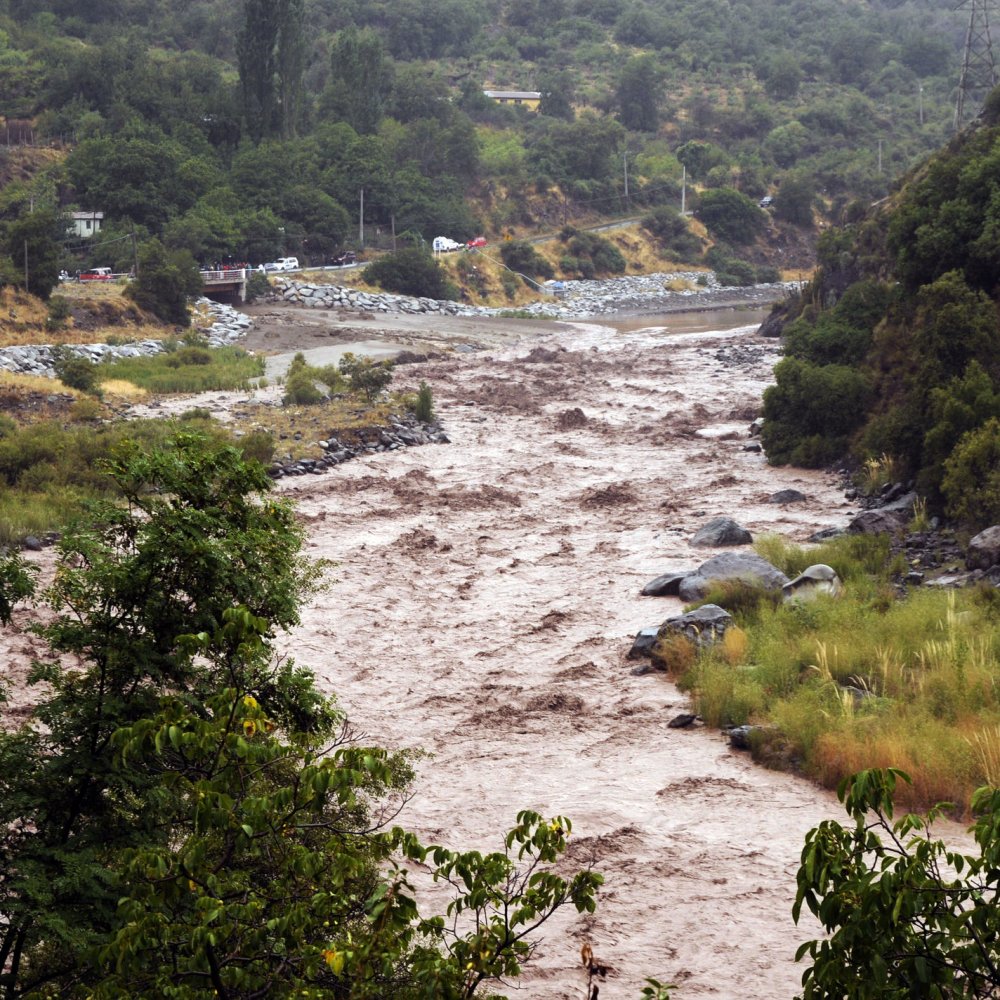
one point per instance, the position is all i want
(893, 348)
(222, 133)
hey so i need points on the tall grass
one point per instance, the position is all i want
(187, 370)
(862, 680)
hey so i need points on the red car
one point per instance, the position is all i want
(479, 241)
(96, 274)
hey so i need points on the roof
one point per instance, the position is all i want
(524, 95)
(87, 215)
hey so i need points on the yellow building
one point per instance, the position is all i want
(524, 98)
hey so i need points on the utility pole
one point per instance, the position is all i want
(684, 182)
(625, 161)
(361, 220)
(135, 254)
(25, 265)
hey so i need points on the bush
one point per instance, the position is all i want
(366, 375)
(971, 483)
(423, 410)
(59, 312)
(409, 272)
(522, 257)
(300, 388)
(75, 371)
(671, 230)
(257, 287)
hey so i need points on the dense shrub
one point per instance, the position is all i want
(408, 272)
(74, 370)
(672, 232)
(971, 482)
(811, 411)
(522, 257)
(730, 215)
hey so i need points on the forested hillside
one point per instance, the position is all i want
(254, 128)
(893, 350)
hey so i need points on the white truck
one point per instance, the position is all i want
(442, 244)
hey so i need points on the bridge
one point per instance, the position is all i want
(229, 284)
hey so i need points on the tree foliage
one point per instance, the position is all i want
(730, 215)
(408, 272)
(904, 915)
(165, 282)
(183, 814)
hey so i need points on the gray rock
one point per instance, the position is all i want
(683, 720)
(825, 534)
(704, 626)
(664, 586)
(817, 579)
(787, 496)
(741, 737)
(877, 522)
(984, 549)
(643, 643)
(731, 566)
(721, 531)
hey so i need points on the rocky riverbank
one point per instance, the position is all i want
(570, 300)
(225, 325)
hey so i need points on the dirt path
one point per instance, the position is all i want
(485, 596)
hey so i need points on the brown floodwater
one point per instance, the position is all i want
(486, 593)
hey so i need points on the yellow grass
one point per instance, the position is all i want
(11, 382)
(119, 389)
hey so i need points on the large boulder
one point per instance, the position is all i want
(817, 579)
(787, 496)
(703, 626)
(984, 549)
(721, 531)
(731, 566)
(664, 586)
(878, 522)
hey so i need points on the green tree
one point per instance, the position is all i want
(165, 282)
(189, 539)
(971, 480)
(794, 200)
(35, 247)
(730, 215)
(781, 75)
(408, 272)
(558, 94)
(361, 80)
(904, 915)
(181, 807)
(366, 374)
(255, 56)
(639, 93)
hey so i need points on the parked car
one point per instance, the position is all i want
(479, 241)
(283, 264)
(344, 258)
(96, 274)
(442, 244)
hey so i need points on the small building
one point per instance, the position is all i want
(87, 223)
(523, 98)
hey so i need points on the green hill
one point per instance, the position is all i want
(894, 349)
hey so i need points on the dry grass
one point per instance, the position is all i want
(24, 384)
(118, 390)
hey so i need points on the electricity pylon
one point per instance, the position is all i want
(979, 73)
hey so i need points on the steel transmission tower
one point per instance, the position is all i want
(979, 74)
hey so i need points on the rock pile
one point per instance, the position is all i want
(402, 432)
(576, 299)
(227, 326)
